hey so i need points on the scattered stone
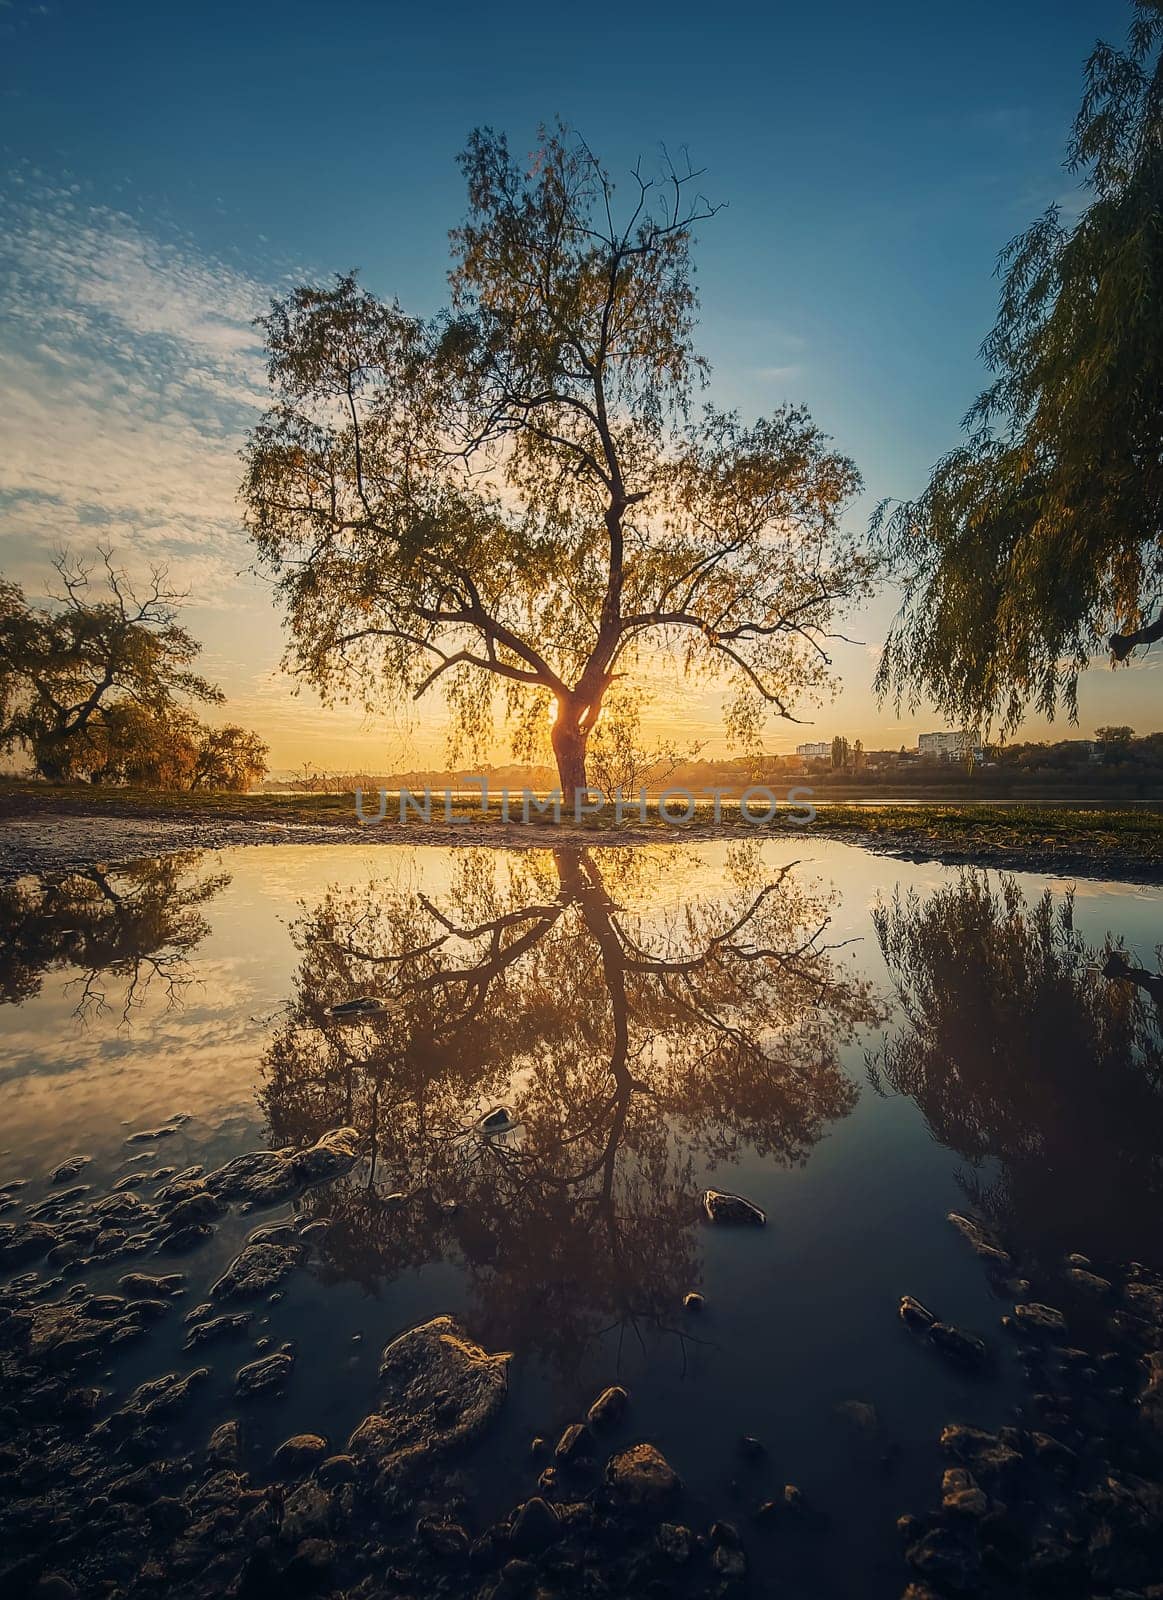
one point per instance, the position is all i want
(54, 1586)
(961, 1495)
(947, 1556)
(445, 1539)
(732, 1208)
(751, 1448)
(693, 1301)
(793, 1497)
(914, 1313)
(641, 1476)
(988, 1455)
(336, 1470)
(306, 1512)
(534, 1527)
(577, 1441)
(1089, 1282)
(223, 1327)
(265, 1375)
(364, 1005)
(225, 1444)
(499, 1120)
(299, 1452)
(265, 1177)
(979, 1241)
(68, 1168)
(441, 1390)
(144, 1286)
(255, 1270)
(1035, 1318)
(23, 1242)
(965, 1348)
(675, 1541)
(609, 1408)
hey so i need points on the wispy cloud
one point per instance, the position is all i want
(130, 372)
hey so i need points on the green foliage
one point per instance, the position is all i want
(92, 687)
(1043, 533)
(518, 494)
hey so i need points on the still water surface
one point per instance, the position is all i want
(856, 1044)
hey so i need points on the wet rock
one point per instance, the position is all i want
(158, 1397)
(274, 1233)
(68, 1168)
(961, 1495)
(255, 1270)
(751, 1448)
(448, 1540)
(575, 1443)
(979, 1241)
(914, 1313)
(306, 1512)
(54, 1586)
(1052, 1452)
(299, 1452)
(364, 1005)
(147, 1286)
(987, 1455)
(440, 1391)
(182, 1240)
(964, 1348)
(729, 1561)
(311, 1564)
(609, 1408)
(676, 1542)
(152, 1135)
(948, 1557)
(534, 1527)
(499, 1120)
(641, 1476)
(336, 1470)
(203, 1207)
(264, 1177)
(793, 1497)
(693, 1301)
(1035, 1318)
(230, 1325)
(549, 1481)
(732, 1208)
(265, 1375)
(1089, 1282)
(225, 1444)
(21, 1242)
(1151, 1400)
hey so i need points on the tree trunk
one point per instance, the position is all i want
(569, 749)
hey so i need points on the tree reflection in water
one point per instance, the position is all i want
(637, 1047)
(1027, 1046)
(131, 926)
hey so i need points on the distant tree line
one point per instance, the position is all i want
(94, 687)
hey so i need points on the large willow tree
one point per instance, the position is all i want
(1039, 543)
(518, 493)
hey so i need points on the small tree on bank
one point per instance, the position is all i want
(94, 688)
(516, 495)
(1039, 542)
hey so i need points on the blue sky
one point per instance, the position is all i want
(170, 165)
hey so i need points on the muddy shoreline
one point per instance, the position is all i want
(46, 842)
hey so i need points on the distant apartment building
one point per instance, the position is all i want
(944, 746)
(820, 751)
